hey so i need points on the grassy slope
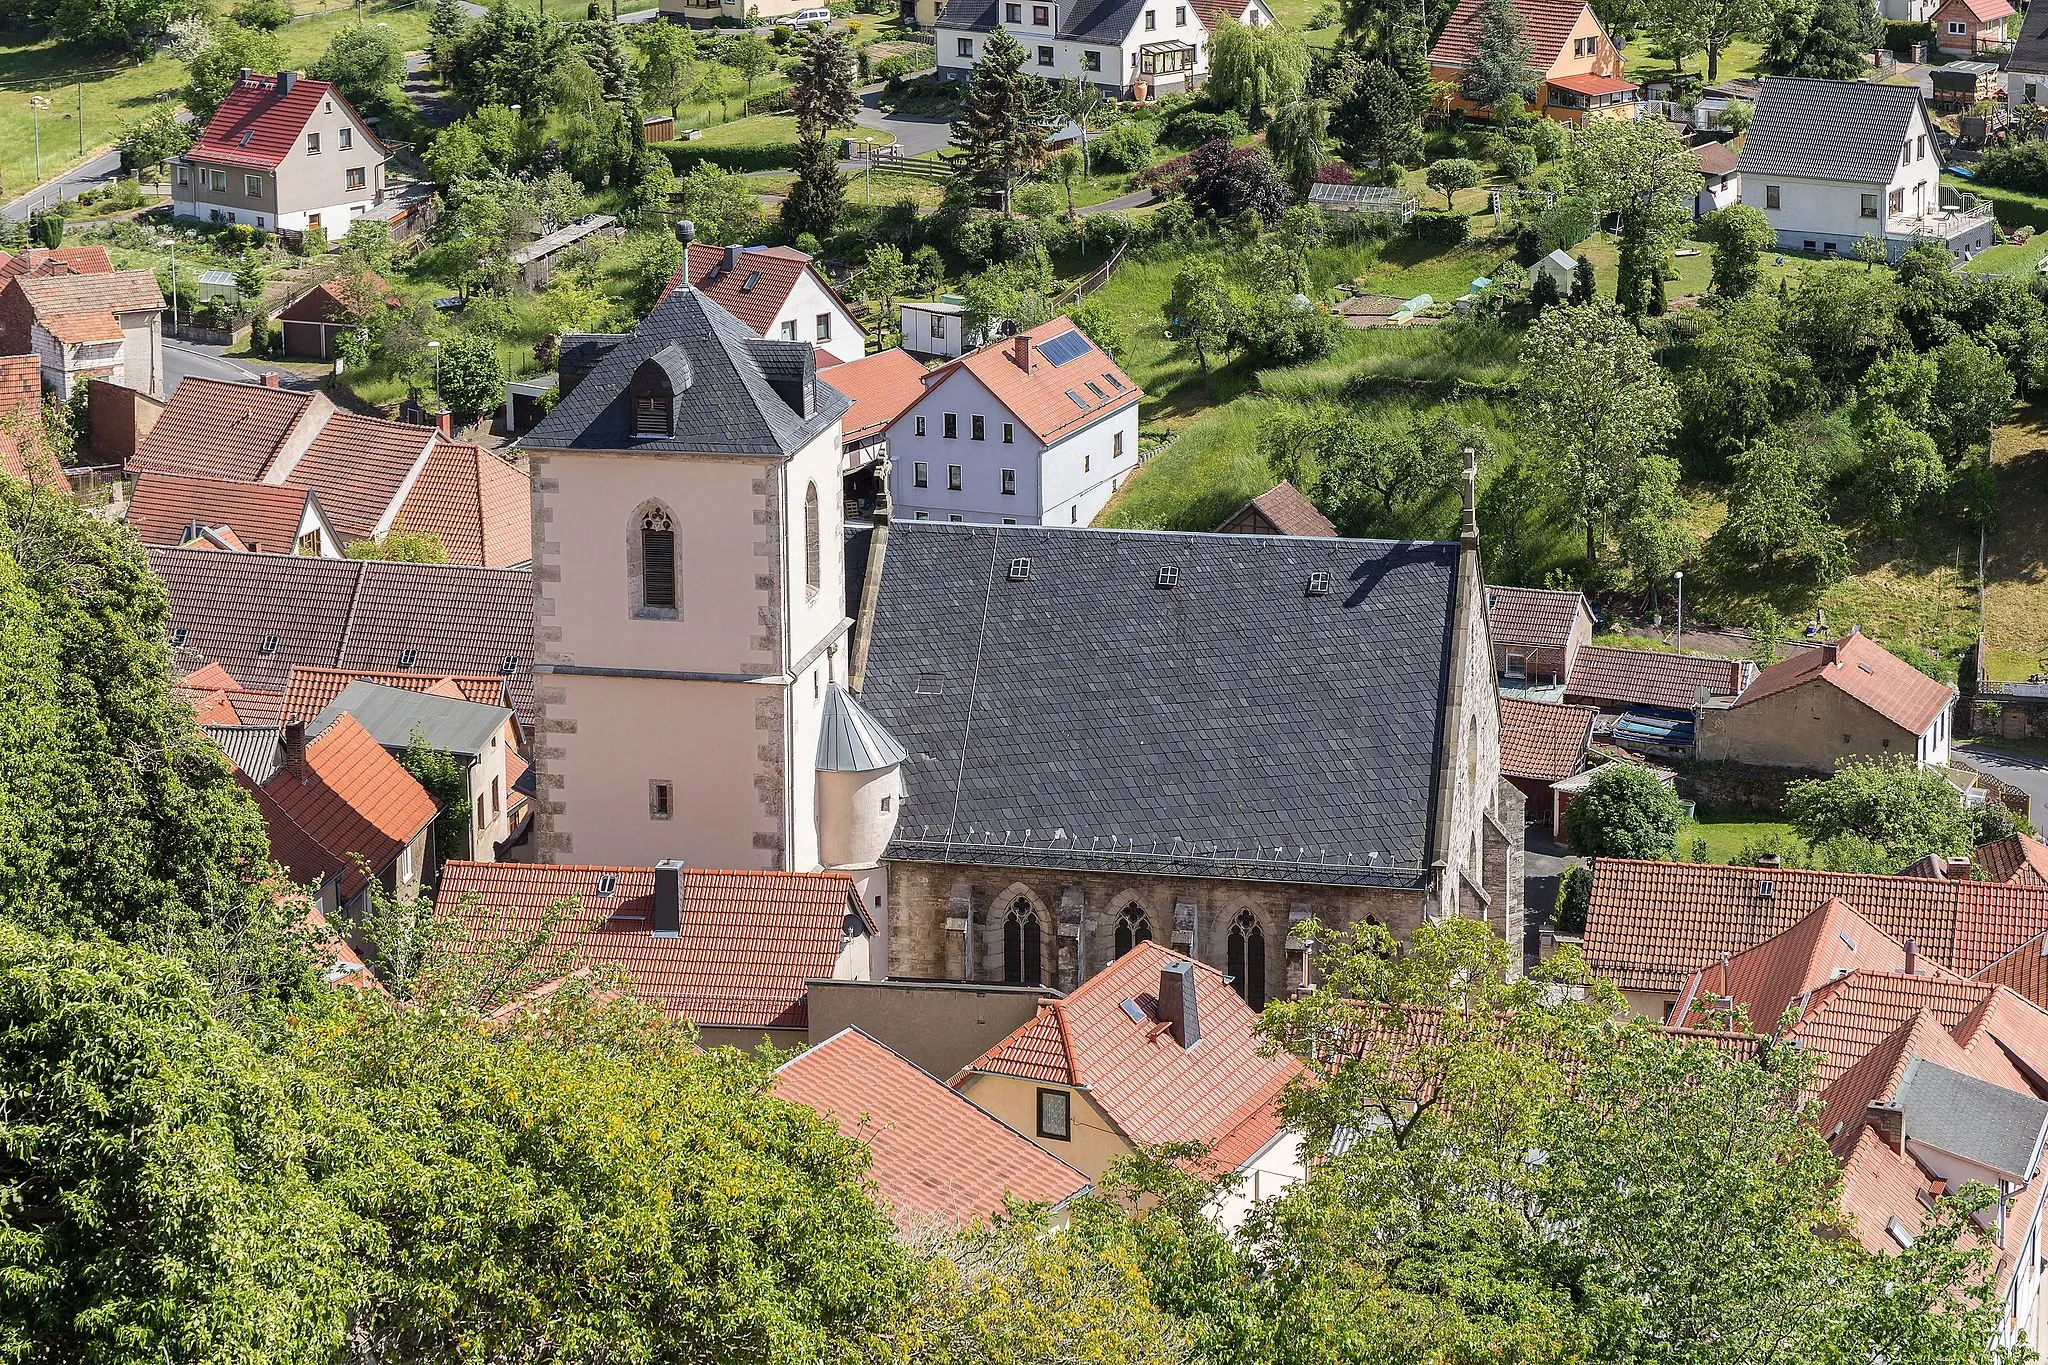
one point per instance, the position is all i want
(2016, 566)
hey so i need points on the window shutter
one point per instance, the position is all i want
(650, 415)
(658, 561)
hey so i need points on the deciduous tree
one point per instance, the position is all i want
(1255, 69)
(1199, 312)
(1644, 174)
(668, 64)
(1739, 235)
(1298, 138)
(1891, 806)
(1451, 175)
(1625, 812)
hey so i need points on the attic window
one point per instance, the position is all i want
(1020, 570)
(1096, 389)
(1867, 669)
(408, 658)
(1114, 382)
(607, 884)
(243, 140)
(1897, 1232)
(1137, 1012)
(652, 415)
(1168, 576)
(1079, 401)
(269, 645)
(1318, 584)
(178, 642)
(747, 285)
(1850, 942)
(1765, 889)
(509, 667)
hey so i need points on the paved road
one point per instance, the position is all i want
(183, 360)
(2027, 773)
(88, 176)
(1543, 862)
(915, 136)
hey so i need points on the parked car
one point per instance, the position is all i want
(804, 17)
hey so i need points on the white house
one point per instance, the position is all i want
(1832, 163)
(1036, 430)
(774, 290)
(1118, 45)
(2026, 71)
(282, 153)
(1720, 177)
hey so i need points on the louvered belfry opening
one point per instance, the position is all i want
(658, 558)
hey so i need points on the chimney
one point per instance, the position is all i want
(1726, 994)
(1020, 351)
(285, 81)
(732, 259)
(1912, 958)
(1177, 1002)
(1768, 860)
(271, 380)
(1830, 653)
(444, 422)
(668, 897)
(248, 74)
(293, 738)
(1956, 869)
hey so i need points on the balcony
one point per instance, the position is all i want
(1944, 224)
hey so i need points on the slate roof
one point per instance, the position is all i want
(1052, 401)
(1286, 510)
(1828, 130)
(729, 405)
(1541, 618)
(1107, 21)
(308, 690)
(1972, 1118)
(1616, 679)
(393, 715)
(2030, 52)
(1235, 724)
(1543, 741)
(852, 741)
(257, 126)
(1864, 670)
(1546, 23)
(215, 429)
(936, 1157)
(748, 942)
(339, 613)
(881, 387)
(265, 517)
(1145, 1083)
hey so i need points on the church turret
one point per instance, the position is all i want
(860, 784)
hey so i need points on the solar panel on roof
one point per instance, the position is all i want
(1064, 347)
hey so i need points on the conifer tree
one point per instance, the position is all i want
(819, 193)
(823, 95)
(1002, 130)
(1500, 68)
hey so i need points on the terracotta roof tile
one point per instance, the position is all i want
(881, 386)
(83, 329)
(1541, 618)
(1861, 668)
(773, 270)
(749, 940)
(1988, 11)
(354, 798)
(1590, 84)
(265, 517)
(1547, 24)
(361, 467)
(61, 260)
(480, 506)
(2016, 858)
(324, 303)
(211, 676)
(937, 1157)
(1543, 741)
(1151, 1088)
(1052, 400)
(215, 429)
(309, 690)
(257, 126)
(1288, 511)
(1615, 679)
(21, 413)
(120, 291)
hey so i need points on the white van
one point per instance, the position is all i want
(803, 18)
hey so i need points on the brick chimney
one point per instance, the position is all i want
(1956, 869)
(1177, 1003)
(444, 422)
(1020, 351)
(1912, 958)
(668, 897)
(272, 380)
(293, 738)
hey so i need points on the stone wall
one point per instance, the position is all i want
(1738, 784)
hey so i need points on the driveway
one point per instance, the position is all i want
(1543, 862)
(183, 360)
(2025, 771)
(915, 136)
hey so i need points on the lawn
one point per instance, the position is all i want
(1742, 58)
(1727, 831)
(2016, 563)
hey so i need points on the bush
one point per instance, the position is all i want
(1130, 146)
(1103, 233)
(1565, 224)
(1624, 813)
(1574, 898)
(1190, 127)
(1015, 240)
(1277, 330)
(269, 15)
(1173, 221)
(1516, 162)
(1549, 138)
(1443, 229)
(1900, 35)
(766, 156)
(974, 241)
(897, 65)
(2016, 166)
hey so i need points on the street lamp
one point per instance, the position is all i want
(1678, 631)
(867, 175)
(172, 242)
(37, 104)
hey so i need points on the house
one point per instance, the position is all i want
(2026, 70)
(308, 690)
(937, 1159)
(331, 800)
(935, 329)
(1720, 177)
(1577, 60)
(82, 319)
(776, 292)
(309, 325)
(881, 388)
(1651, 926)
(1038, 429)
(1849, 698)
(1832, 163)
(371, 476)
(1537, 634)
(1541, 744)
(23, 454)
(1279, 511)
(729, 951)
(259, 616)
(1972, 28)
(282, 153)
(166, 509)
(1155, 1049)
(484, 739)
(1624, 680)
(1130, 49)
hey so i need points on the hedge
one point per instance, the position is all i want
(764, 156)
(1900, 35)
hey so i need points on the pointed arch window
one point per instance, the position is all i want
(1247, 960)
(1023, 948)
(658, 559)
(1132, 928)
(813, 558)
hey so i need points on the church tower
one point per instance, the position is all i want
(691, 614)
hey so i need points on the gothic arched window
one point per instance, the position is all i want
(1247, 960)
(658, 559)
(1132, 928)
(1023, 961)
(813, 570)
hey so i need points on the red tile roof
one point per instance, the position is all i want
(1543, 741)
(881, 386)
(481, 506)
(1988, 11)
(309, 690)
(1541, 618)
(1615, 679)
(215, 429)
(257, 126)
(1052, 400)
(1144, 1082)
(1284, 507)
(774, 271)
(1213, 12)
(83, 329)
(361, 466)
(61, 260)
(938, 1158)
(119, 291)
(265, 517)
(1861, 668)
(211, 676)
(749, 940)
(1765, 980)
(2015, 858)
(353, 799)
(323, 302)
(1547, 24)
(2024, 970)
(1590, 84)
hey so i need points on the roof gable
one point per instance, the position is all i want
(259, 123)
(1543, 741)
(1548, 23)
(756, 288)
(1863, 670)
(881, 388)
(264, 517)
(212, 428)
(1830, 130)
(353, 798)
(479, 505)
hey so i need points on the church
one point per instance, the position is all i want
(1032, 747)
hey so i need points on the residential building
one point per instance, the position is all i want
(880, 387)
(1541, 744)
(1720, 177)
(1622, 680)
(231, 441)
(776, 291)
(1038, 429)
(1570, 50)
(729, 951)
(1131, 49)
(1972, 28)
(484, 739)
(1155, 1049)
(340, 811)
(1831, 163)
(1537, 634)
(260, 616)
(82, 319)
(2026, 70)
(1849, 698)
(937, 1159)
(1279, 511)
(167, 509)
(939, 1026)
(282, 153)
(308, 690)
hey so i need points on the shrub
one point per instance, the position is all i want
(1444, 229)
(1016, 240)
(269, 15)
(766, 156)
(1565, 224)
(897, 65)
(1900, 35)
(1574, 898)
(1517, 162)
(974, 241)
(1103, 233)
(1277, 330)
(1130, 146)
(1190, 127)
(2016, 166)
(1625, 812)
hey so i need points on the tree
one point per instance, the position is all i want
(668, 65)
(720, 203)
(230, 49)
(1739, 236)
(1750, 375)
(1543, 291)
(1972, 392)
(1500, 69)
(1644, 174)
(445, 28)
(750, 57)
(1067, 166)
(1650, 525)
(1902, 472)
(400, 546)
(1583, 286)
(127, 25)
(1679, 29)
(1298, 139)
(1845, 320)
(815, 201)
(1199, 311)
(1451, 175)
(1227, 182)
(881, 275)
(1777, 508)
(1822, 39)
(1255, 69)
(365, 63)
(1376, 107)
(1079, 100)
(154, 139)
(509, 57)
(822, 95)
(1604, 404)
(603, 45)
(1102, 325)
(446, 780)
(1006, 119)
(1625, 812)
(1880, 812)
(472, 377)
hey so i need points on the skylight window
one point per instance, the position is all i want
(1319, 584)
(243, 140)
(607, 884)
(509, 667)
(269, 645)
(1020, 570)
(747, 285)
(408, 658)
(1114, 382)
(178, 641)
(1096, 389)
(1167, 577)
(1079, 401)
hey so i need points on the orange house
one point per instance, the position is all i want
(1579, 63)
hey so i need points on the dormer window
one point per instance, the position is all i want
(653, 391)
(652, 415)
